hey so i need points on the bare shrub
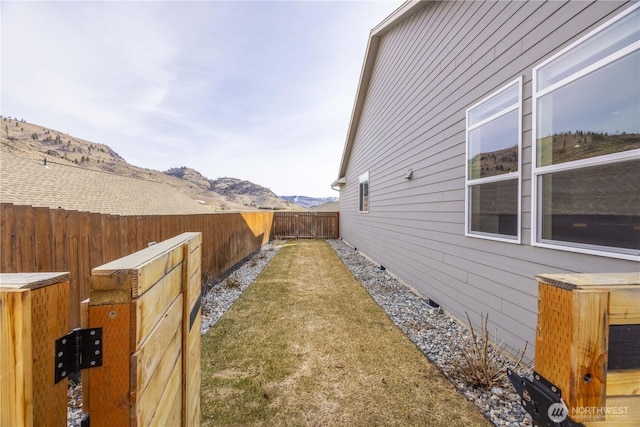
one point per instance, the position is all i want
(481, 363)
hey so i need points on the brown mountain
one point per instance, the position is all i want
(33, 141)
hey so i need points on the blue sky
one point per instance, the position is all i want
(257, 90)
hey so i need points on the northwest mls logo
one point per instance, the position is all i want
(557, 412)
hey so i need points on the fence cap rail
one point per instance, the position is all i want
(9, 281)
(139, 259)
(130, 276)
(590, 280)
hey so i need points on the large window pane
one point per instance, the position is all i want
(613, 38)
(493, 147)
(598, 205)
(494, 207)
(595, 115)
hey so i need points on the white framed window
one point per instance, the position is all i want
(494, 141)
(586, 143)
(363, 193)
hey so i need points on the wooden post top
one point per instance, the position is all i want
(120, 281)
(20, 281)
(590, 281)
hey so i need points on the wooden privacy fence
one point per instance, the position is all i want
(35, 239)
(306, 225)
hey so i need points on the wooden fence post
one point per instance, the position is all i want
(34, 313)
(587, 344)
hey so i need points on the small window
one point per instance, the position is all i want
(493, 165)
(363, 205)
(586, 170)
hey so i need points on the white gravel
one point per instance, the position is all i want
(437, 335)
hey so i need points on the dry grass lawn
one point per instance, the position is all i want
(306, 345)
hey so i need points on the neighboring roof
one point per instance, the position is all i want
(327, 207)
(399, 15)
(57, 185)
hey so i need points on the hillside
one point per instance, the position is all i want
(32, 141)
(309, 202)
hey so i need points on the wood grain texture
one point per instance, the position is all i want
(581, 337)
(162, 350)
(109, 400)
(34, 314)
(149, 353)
(149, 309)
(16, 375)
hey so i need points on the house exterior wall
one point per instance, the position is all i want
(429, 69)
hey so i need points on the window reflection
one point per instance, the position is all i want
(595, 115)
(494, 207)
(607, 42)
(499, 102)
(493, 147)
(598, 205)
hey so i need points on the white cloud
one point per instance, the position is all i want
(256, 90)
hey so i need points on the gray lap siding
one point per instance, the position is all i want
(429, 69)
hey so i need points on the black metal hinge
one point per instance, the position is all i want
(542, 400)
(80, 349)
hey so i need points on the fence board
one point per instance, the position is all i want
(7, 238)
(25, 238)
(96, 238)
(72, 266)
(58, 240)
(84, 257)
(42, 239)
(191, 331)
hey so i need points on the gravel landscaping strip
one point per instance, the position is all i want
(436, 334)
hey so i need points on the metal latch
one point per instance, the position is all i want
(80, 349)
(542, 400)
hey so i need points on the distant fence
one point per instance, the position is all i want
(35, 239)
(306, 225)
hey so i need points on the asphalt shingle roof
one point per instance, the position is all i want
(58, 185)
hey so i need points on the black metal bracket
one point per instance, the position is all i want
(194, 311)
(542, 400)
(80, 349)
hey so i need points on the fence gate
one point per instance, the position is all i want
(306, 225)
(148, 306)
